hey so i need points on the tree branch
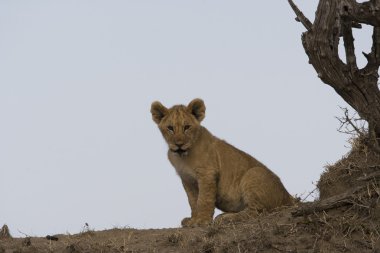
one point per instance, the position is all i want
(300, 16)
(329, 203)
(376, 44)
(348, 39)
(366, 12)
(368, 186)
(373, 57)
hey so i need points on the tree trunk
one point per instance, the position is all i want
(358, 87)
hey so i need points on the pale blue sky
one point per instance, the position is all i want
(77, 143)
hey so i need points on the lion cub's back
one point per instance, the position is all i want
(234, 160)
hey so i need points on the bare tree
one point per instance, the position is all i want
(357, 86)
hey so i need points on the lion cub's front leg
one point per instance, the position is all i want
(202, 207)
(191, 189)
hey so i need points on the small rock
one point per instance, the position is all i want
(52, 238)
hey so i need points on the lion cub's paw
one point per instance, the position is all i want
(195, 222)
(227, 218)
(185, 221)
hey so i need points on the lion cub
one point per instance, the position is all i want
(213, 172)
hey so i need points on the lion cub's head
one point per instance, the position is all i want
(180, 125)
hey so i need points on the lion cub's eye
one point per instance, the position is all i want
(186, 127)
(171, 129)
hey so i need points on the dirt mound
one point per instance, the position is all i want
(346, 218)
(345, 229)
(352, 171)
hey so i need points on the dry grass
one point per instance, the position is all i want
(346, 173)
(4, 232)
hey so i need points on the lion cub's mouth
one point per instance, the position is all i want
(180, 151)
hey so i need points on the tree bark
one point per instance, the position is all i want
(358, 87)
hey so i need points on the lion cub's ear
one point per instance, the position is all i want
(158, 111)
(197, 108)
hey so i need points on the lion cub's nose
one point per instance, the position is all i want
(179, 145)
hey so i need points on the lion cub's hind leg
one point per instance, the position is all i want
(261, 190)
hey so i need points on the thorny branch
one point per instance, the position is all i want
(352, 125)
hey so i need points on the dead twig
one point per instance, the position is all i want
(329, 203)
(352, 125)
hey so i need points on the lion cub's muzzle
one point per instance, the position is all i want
(179, 149)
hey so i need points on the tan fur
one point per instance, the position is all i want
(213, 172)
